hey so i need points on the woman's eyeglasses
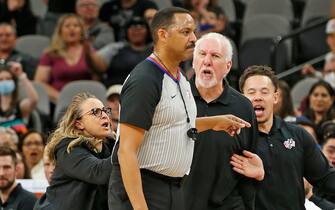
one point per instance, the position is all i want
(98, 112)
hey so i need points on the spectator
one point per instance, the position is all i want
(55, 9)
(284, 107)
(80, 148)
(196, 7)
(15, 112)
(149, 15)
(8, 138)
(12, 195)
(122, 57)
(19, 14)
(319, 104)
(8, 52)
(308, 125)
(68, 58)
(313, 202)
(119, 12)
(49, 167)
(22, 171)
(328, 149)
(212, 20)
(100, 34)
(328, 72)
(32, 145)
(113, 101)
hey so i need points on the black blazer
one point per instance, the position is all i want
(80, 179)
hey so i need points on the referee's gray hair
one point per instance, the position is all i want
(225, 43)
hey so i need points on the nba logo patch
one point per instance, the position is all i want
(289, 143)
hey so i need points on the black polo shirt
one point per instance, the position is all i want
(289, 153)
(212, 182)
(19, 199)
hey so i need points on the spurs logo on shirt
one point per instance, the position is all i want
(289, 143)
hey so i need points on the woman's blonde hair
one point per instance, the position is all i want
(67, 128)
(57, 46)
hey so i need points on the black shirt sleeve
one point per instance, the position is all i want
(139, 98)
(322, 203)
(248, 186)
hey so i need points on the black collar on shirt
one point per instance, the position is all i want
(278, 124)
(225, 98)
(13, 195)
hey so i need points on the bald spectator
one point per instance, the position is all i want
(100, 33)
(8, 52)
(119, 12)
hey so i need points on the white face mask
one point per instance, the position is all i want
(330, 78)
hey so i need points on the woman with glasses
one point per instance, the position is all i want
(80, 147)
(31, 145)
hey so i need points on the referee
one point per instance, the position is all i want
(158, 123)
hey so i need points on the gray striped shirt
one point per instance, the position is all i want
(151, 100)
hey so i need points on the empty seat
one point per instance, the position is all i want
(43, 103)
(256, 44)
(38, 7)
(163, 4)
(228, 7)
(32, 45)
(301, 89)
(315, 9)
(313, 42)
(281, 8)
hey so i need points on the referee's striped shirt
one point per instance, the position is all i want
(150, 99)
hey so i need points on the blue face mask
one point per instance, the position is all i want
(7, 87)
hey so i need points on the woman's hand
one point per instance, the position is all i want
(230, 123)
(249, 165)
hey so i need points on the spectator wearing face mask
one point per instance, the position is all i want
(14, 112)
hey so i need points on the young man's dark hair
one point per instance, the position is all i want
(258, 70)
(6, 151)
(163, 19)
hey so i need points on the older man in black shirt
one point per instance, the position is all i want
(288, 152)
(212, 183)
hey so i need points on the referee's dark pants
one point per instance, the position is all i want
(160, 192)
